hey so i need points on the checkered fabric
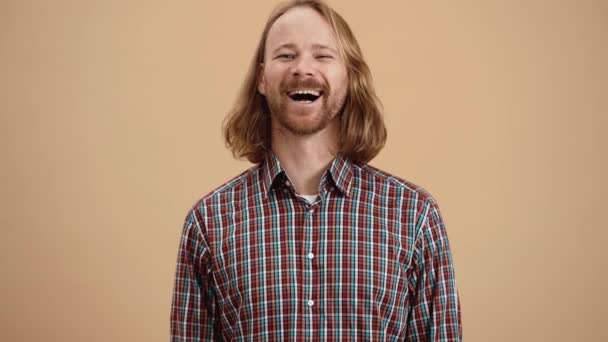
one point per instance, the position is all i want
(369, 260)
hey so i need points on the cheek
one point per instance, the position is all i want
(339, 80)
(274, 77)
(341, 86)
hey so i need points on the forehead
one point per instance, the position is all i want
(301, 26)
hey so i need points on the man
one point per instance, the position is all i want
(312, 243)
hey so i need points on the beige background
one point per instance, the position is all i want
(110, 131)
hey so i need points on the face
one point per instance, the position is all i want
(303, 78)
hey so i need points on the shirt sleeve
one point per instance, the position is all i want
(435, 310)
(193, 309)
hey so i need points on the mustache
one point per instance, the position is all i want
(303, 84)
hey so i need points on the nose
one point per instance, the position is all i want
(303, 66)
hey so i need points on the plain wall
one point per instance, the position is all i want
(110, 131)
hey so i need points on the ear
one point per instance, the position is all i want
(261, 80)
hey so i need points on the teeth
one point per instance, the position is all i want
(305, 91)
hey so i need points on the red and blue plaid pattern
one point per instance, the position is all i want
(369, 260)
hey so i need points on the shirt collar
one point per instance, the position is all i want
(340, 171)
(270, 168)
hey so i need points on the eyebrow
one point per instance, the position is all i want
(323, 47)
(314, 46)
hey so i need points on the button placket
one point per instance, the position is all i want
(308, 245)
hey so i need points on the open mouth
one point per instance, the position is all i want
(305, 96)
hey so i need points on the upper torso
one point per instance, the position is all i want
(338, 268)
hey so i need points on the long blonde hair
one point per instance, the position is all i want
(362, 130)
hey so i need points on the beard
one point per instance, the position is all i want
(300, 121)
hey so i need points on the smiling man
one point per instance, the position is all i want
(312, 243)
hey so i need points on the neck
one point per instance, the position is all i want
(305, 158)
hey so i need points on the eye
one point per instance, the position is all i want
(286, 56)
(325, 56)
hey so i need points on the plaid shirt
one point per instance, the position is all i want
(368, 260)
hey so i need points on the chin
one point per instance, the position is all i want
(305, 128)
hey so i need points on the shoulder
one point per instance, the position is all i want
(224, 195)
(419, 208)
(371, 174)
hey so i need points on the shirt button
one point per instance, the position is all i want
(311, 210)
(311, 302)
(287, 183)
(310, 255)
